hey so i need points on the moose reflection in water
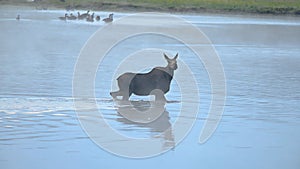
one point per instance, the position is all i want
(156, 82)
(160, 126)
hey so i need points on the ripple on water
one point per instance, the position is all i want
(50, 120)
(36, 118)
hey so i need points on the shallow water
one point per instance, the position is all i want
(260, 124)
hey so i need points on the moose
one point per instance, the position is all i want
(156, 82)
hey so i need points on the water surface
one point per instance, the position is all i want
(259, 128)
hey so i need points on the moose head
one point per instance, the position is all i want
(172, 63)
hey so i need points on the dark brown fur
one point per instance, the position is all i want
(156, 82)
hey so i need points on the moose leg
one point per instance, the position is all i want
(124, 91)
(159, 95)
(124, 83)
(115, 94)
(126, 95)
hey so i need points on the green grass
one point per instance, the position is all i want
(240, 6)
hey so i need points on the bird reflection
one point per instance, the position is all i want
(135, 113)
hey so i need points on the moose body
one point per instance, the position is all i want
(156, 82)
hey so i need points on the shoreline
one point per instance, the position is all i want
(127, 8)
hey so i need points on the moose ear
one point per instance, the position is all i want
(176, 56)
(166, 57)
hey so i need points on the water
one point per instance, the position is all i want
(260, 124)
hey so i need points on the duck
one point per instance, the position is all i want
(84, 15)
(109, 19)
(79, 16)
(63, 18)
(18, 17)
(90, 18)
(72, 17)
(97, 18)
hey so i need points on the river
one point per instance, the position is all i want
(260, 126)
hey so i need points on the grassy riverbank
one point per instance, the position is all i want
(279, 7)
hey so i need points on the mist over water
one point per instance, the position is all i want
(260, 124)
